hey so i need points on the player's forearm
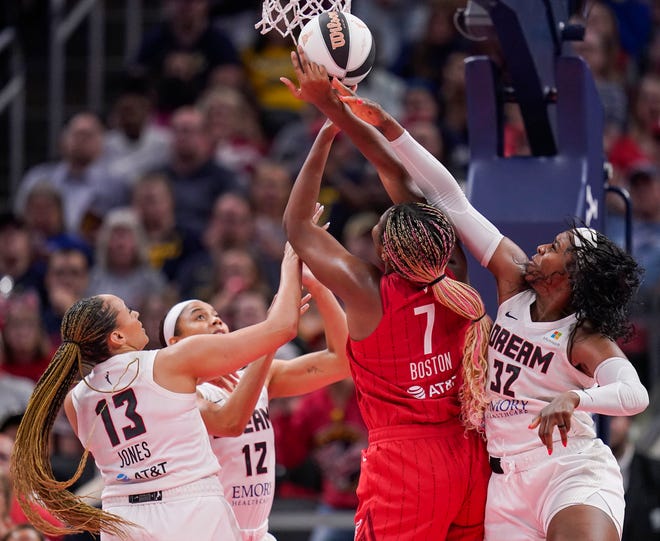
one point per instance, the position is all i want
(334, 319)
(232, 417)
(441, 189)
(305, 192)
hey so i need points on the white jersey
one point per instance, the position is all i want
(247, 463)
(143, 437)
(528, 367)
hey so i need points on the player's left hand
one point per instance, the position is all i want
(558, 413)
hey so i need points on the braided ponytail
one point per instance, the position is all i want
(85, 328)
(418, 240)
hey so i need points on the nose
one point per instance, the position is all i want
(540, 249)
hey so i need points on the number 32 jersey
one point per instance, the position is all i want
(528, 367)
(143, 437)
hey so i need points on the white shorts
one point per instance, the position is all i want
(258, 534)
(535, 487)
(197, 511)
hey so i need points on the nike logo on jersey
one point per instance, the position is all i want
(508, 314)
(107, 377)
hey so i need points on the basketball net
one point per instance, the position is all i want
(287, 16)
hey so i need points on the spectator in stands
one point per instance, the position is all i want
(231, 227)
(266, 61)
(351, 185)
(292, 143)
(66, 281)
(196, 179)
(644, 188)
(121, 264)
(26, 346)
(356, 236)
(24, 532)
(234, 128)
(235, 271)
(14, 396)
(153, 310)
(16, 514)
(639, 143)
(633, 18)
(599, 53)
(424, 56)
(184, 54)
(269, 191)
(251, 306)
(134, 143)
(82, 177)
(232, 223)
(5, 502)
(603, 21)
(44, 217)
(641, 480)
(17, 259)
(327, 425)
(169, 243)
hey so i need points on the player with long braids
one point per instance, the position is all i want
(553, 353)
(136, 412)
(417, 343)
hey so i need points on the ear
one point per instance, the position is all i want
(116, 340)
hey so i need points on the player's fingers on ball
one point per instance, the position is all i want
(341, 88)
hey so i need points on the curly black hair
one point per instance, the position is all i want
(604, 280)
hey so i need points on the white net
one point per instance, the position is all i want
(288, 17)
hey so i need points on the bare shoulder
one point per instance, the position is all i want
(590, 349)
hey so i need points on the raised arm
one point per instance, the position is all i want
(209, 356)
(499, 254)
(317, 369)
(315, 88)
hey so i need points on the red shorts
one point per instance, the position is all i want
(420, 483)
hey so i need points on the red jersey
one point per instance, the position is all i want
(408, 371)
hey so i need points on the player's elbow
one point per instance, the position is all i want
(234, 429)
(634, 398)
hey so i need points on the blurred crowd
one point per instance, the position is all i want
(177, 191)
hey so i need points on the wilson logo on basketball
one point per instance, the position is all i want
(336, 30)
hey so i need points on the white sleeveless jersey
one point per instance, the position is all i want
(143, 437)
(247, 462)
(528, 367)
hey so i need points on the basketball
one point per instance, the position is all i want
(342, 43)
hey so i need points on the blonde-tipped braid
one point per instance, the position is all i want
(85, 329)
(418, 240)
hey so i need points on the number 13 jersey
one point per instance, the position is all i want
(143, 437)
(528, 367)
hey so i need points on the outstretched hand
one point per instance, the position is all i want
(363, 108)
(313, 79)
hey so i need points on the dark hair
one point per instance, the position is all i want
(604, 280)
